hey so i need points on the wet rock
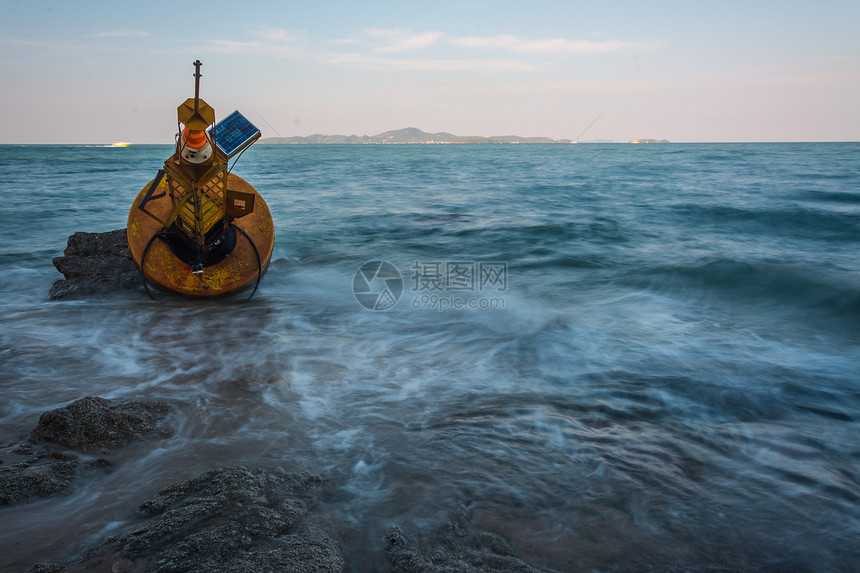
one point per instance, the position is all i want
(98, 464)
(27, 481)
(95, 264)
(459, 547)
(25, 449)
(226, 520)
(31, 471)
(97, 424)
(44, 474)
(46, 568)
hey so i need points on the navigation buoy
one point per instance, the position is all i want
(197, 229)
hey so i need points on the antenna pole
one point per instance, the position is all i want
(197, 75)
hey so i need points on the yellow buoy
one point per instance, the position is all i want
(197, 229)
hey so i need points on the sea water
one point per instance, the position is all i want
(609, 355)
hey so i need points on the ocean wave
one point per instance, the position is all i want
(766, 282)
(796, 220)
(849, 197)
(675, 361)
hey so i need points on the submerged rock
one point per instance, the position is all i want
(95, 263)
(46, 568)
(43, 477)
(29, 472)
(458, 547)
(97, 424)
(228, 520)
(32, 470)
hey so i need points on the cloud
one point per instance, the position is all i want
(564, 46)
(235, 47)
(546, 46)
(493, 42)
(378, 48)
(121, 34)
(375, 62)
(275, 42)
(279, 35)
(402, 41)
(412, 42)
(423, 51)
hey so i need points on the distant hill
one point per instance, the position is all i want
(407, 135)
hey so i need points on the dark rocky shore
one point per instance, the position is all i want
(231, 519)
(44, 466)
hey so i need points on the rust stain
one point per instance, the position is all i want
(167, 272)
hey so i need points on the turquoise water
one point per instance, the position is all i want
(661, 360)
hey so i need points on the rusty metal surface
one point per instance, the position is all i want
(236, 272)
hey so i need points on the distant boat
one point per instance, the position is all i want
(120, 144)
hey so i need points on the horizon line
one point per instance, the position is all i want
(555, 142)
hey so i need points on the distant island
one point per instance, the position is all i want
(408, 135)
(413, 135)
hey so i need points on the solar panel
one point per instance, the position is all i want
(234, 133)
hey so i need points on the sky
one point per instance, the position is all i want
(98, 72)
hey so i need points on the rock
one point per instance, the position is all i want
(25, 449)
(458, 547)
(46, 568)
(26, 481)
(95, 264)
(87, 424)
(226, 520)
(98, 424)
